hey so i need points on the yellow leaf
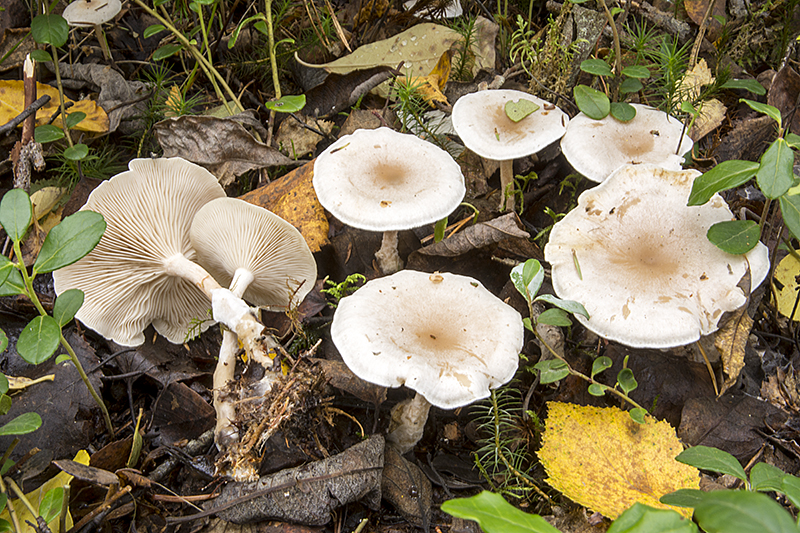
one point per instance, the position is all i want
(787, 273)
(24, 516)
(430, 87)
(712, 113)
(45, 199)
(694, 80)
(12, 103)
(601, 459)
(292, 198)
(731, 340)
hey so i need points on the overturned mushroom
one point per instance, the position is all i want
(480, 119)
(596, 148)
(638, 259)
(443, 335)
(382, 180)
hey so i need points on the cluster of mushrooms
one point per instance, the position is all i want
(632, 253)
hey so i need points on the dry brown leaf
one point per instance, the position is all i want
(430, 87)
(12, 103)
(696, 9)
(712, 113)
(477, 236)
(731, 340)
(295, 140)
(600, 458)
(292, 198)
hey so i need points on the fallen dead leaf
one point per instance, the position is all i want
(787, 273)
(12, 103)
(477, 236)
(295, 140)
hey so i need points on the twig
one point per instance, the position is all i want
(33, 108)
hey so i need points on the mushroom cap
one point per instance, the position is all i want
(596, 148)
(382, 180)
(148, 211)
(649, 277)
(480, 120)
(443, 335)
(84, 13)
(229, 234)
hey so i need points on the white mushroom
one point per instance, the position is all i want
(638, 259)
(262, 258)
(596, 148)
(443, 335)
(93, 13)
(382, 180)
(481, 121)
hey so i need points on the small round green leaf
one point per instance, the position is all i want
(636, 71)
(790, 486)
(23, 424)
(5, 525)
(713, 460)
(287, 104)
(152, 30)
(555, 317)
(630, 85)
(528, 277)
(520, 109)
(14, 284)
(73, 119)
(637, 414)
(166, 51)
(596, 67)
(600, 364)
(67, 304)
(765, 477)
(743, 511)
(50, 29)
(569, 306)
(592, 102)
(735, 236)
(42, 56)
(16, 212)
(73, 238)
(623, 111)
(551, 370)
(50, 506)
(77, 152)
(595, 389)
(39, 340)
(626, 380)
(775, 174)
(47, 133)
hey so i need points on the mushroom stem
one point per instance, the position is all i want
(388, 259)
(408, 423)
(506, 179)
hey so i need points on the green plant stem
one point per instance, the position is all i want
(54, 51)
(20, 496)
(11, 511)
(213, 75)
(617, 49)
(35, 299)
(764, 213)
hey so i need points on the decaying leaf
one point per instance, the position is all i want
(712, 113)
(600, 458)
(45, 199)
(12, 103)
(292, 198)
(223, 146)
(87, 473)
(786, 274)
(731, 338)
(405, 486)
(696, 9)
(430, 87)
(340, 91)
(783, 94)
(338, 375)
(307, 494)
(295, 140)
(477, 236)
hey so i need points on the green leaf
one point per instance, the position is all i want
(551, 370)
(39, 340)
(748, 85)
(23, 424)
(77, 152)
(42, 56)
(790, 486)
(771, 111)
(726, 175)
(626, 380)
(152, 30)
(520, 109)
(735, 236)
(555, 317)
(14, 284)
(591, 102)
(570, 306)
(166, 51)
(687, 107)
(623, 111)
(790, 208)
(766, 478)
(47, 133)
(438, 230)
(6, 267)
(50, 29)
(50, 506)
(637, 414)
(5, 404)
(16, 212)
(495, 515)
(73, 238)
(5, 525)
(67, 304)
(527, 278)
(3, 501)
(630, 85)
(742, 511)
(601, 364)
(641, 518)
(596, 389)
(287, 104)
(775, 174)
(683, 498)
(636, 71)
(73, 119)
(713, 460)
(596, 67)
(527, 323)
(793, 140)
(3, 346)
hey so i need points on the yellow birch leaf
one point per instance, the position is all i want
(292, 198)
(12, 103)
(601, 459)
(787, 273)
(430, 87)
(24, 516)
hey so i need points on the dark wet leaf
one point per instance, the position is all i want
(339, 91)
(477, 236)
